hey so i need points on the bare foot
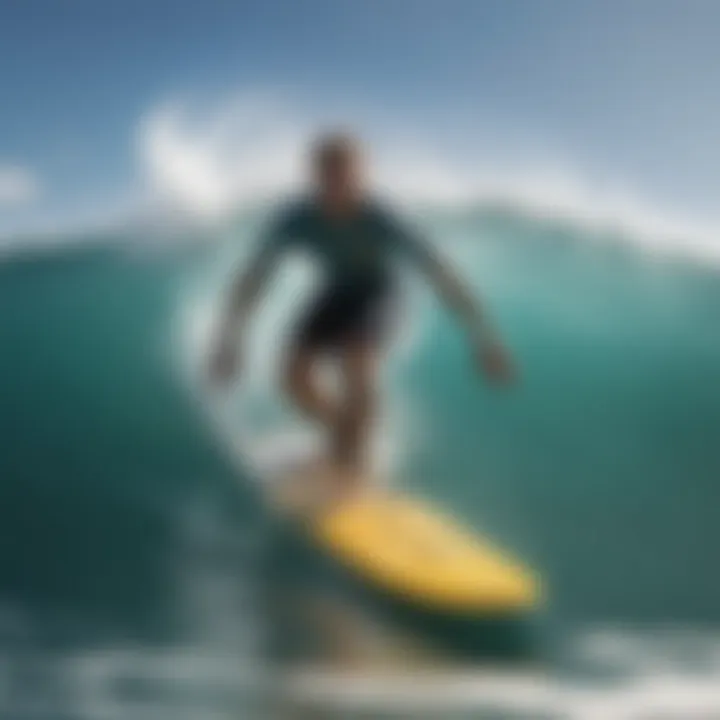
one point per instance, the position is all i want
(322, 485)
(342, 484)
(302, 488)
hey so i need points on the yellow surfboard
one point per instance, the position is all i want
(404, 546)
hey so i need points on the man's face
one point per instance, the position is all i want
(339, 176)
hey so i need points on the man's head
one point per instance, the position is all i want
(337, 168)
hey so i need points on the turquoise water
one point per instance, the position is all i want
(600, 468)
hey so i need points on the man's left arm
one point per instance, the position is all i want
(464, 304)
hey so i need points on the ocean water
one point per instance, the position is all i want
(133, 518)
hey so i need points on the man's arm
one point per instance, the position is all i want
(462, 302)
(448, 285)
(246, 288)
(456, 295)
(244, 292)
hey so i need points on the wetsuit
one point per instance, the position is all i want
(358, 258)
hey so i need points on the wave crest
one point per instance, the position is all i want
(204, 166)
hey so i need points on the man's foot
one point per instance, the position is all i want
(322, 485)
(342, 484)
(299, 486)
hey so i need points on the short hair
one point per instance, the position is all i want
(334, 146)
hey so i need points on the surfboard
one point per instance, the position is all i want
(402, 544)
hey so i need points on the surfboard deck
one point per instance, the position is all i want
(403, 545)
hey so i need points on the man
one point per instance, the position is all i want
(357, 244)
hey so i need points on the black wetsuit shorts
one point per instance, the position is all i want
(340, 316)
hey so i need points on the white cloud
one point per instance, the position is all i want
(206, 164)
(18, 185)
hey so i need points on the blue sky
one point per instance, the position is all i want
(629, 90)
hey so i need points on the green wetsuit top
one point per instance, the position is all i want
(358, 253)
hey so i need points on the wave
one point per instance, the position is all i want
(204, 166)
(200, 166)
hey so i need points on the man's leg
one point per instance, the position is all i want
(359, 369)
(303, 387)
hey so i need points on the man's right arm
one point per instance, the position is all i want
(244, 292)
(248, 284)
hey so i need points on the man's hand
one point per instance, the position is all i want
(224, 363)
(495, 362)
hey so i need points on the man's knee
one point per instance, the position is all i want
(297, 374)
(361, 395)
(360, 378)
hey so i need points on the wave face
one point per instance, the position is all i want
(600, 467)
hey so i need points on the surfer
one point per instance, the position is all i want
(357, 242)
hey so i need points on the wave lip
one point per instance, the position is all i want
(196, 170)
(251, 150)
